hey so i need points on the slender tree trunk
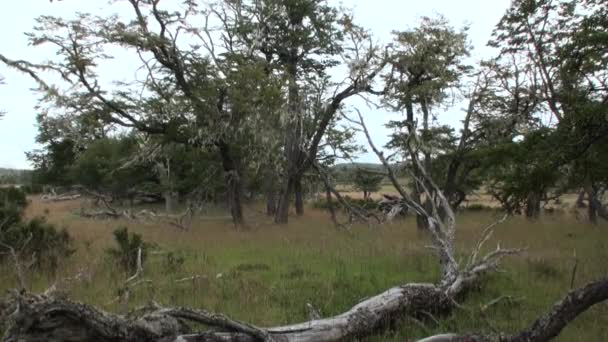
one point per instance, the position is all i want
(409, 110)
(580, 200)
(269, 185)
(533, 205)
(330, 205)
(233, 183)
(299, 196)
(169, 201)
(282, 214)
(293, 139)
(593, 207)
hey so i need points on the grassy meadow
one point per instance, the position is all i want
(267, 274)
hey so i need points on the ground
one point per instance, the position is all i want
(267, 274)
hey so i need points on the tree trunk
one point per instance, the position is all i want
(282, 214)
(169, 201)
(269, 185)
(293, 140)
(233, 184)
(330, 205)
(299, 196)
(409, 111)
(533, 205)
(593, 206)
(580, 200)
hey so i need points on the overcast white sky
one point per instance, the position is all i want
(17, 128)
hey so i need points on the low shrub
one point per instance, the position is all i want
(40, 242)
(126, 253)
(368, 204)
(477, 207)
(12, 196)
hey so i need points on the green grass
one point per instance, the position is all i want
(267, 275)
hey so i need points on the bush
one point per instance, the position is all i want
(12, 196)
(477, 207)
(368, 204)
(9, 215)
(128, 249)
(40, 242)
(33, 189)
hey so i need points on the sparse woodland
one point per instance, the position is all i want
(246, 112)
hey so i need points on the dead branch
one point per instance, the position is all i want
(352, 209)
(59, 198)
(547, 326)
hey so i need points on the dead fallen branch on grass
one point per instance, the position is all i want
(59, 198)
(79, 322)
(183, 220)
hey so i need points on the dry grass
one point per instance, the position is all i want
(267, 274)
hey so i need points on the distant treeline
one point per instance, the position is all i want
(12, 176)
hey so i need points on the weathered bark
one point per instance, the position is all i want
(416, 191)
(234, 185)
(562, 313)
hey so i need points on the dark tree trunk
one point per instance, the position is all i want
(293, 139)
(299, 196)
(580, 200)
(269, 185)
(282, 214)
(594, 204)
(233, 183)
(533, 205)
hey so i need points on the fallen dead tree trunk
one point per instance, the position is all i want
(48, 319)
(59, 198)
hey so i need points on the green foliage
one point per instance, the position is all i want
(127, 251)
(367, 203)
(32, 189)
(100, 167)
(51, 165)
(35, 240)
(12, 203)
(367, 181)
(39, 242)
(13, 196)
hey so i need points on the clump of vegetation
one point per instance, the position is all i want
(128, 249)
(367, 182)
(40, 242)
(365, 203)
(477, 207)
(173, 262)
(35, 240)
(13, 196)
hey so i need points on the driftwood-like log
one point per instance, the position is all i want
(59, 198)
(47, 319)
